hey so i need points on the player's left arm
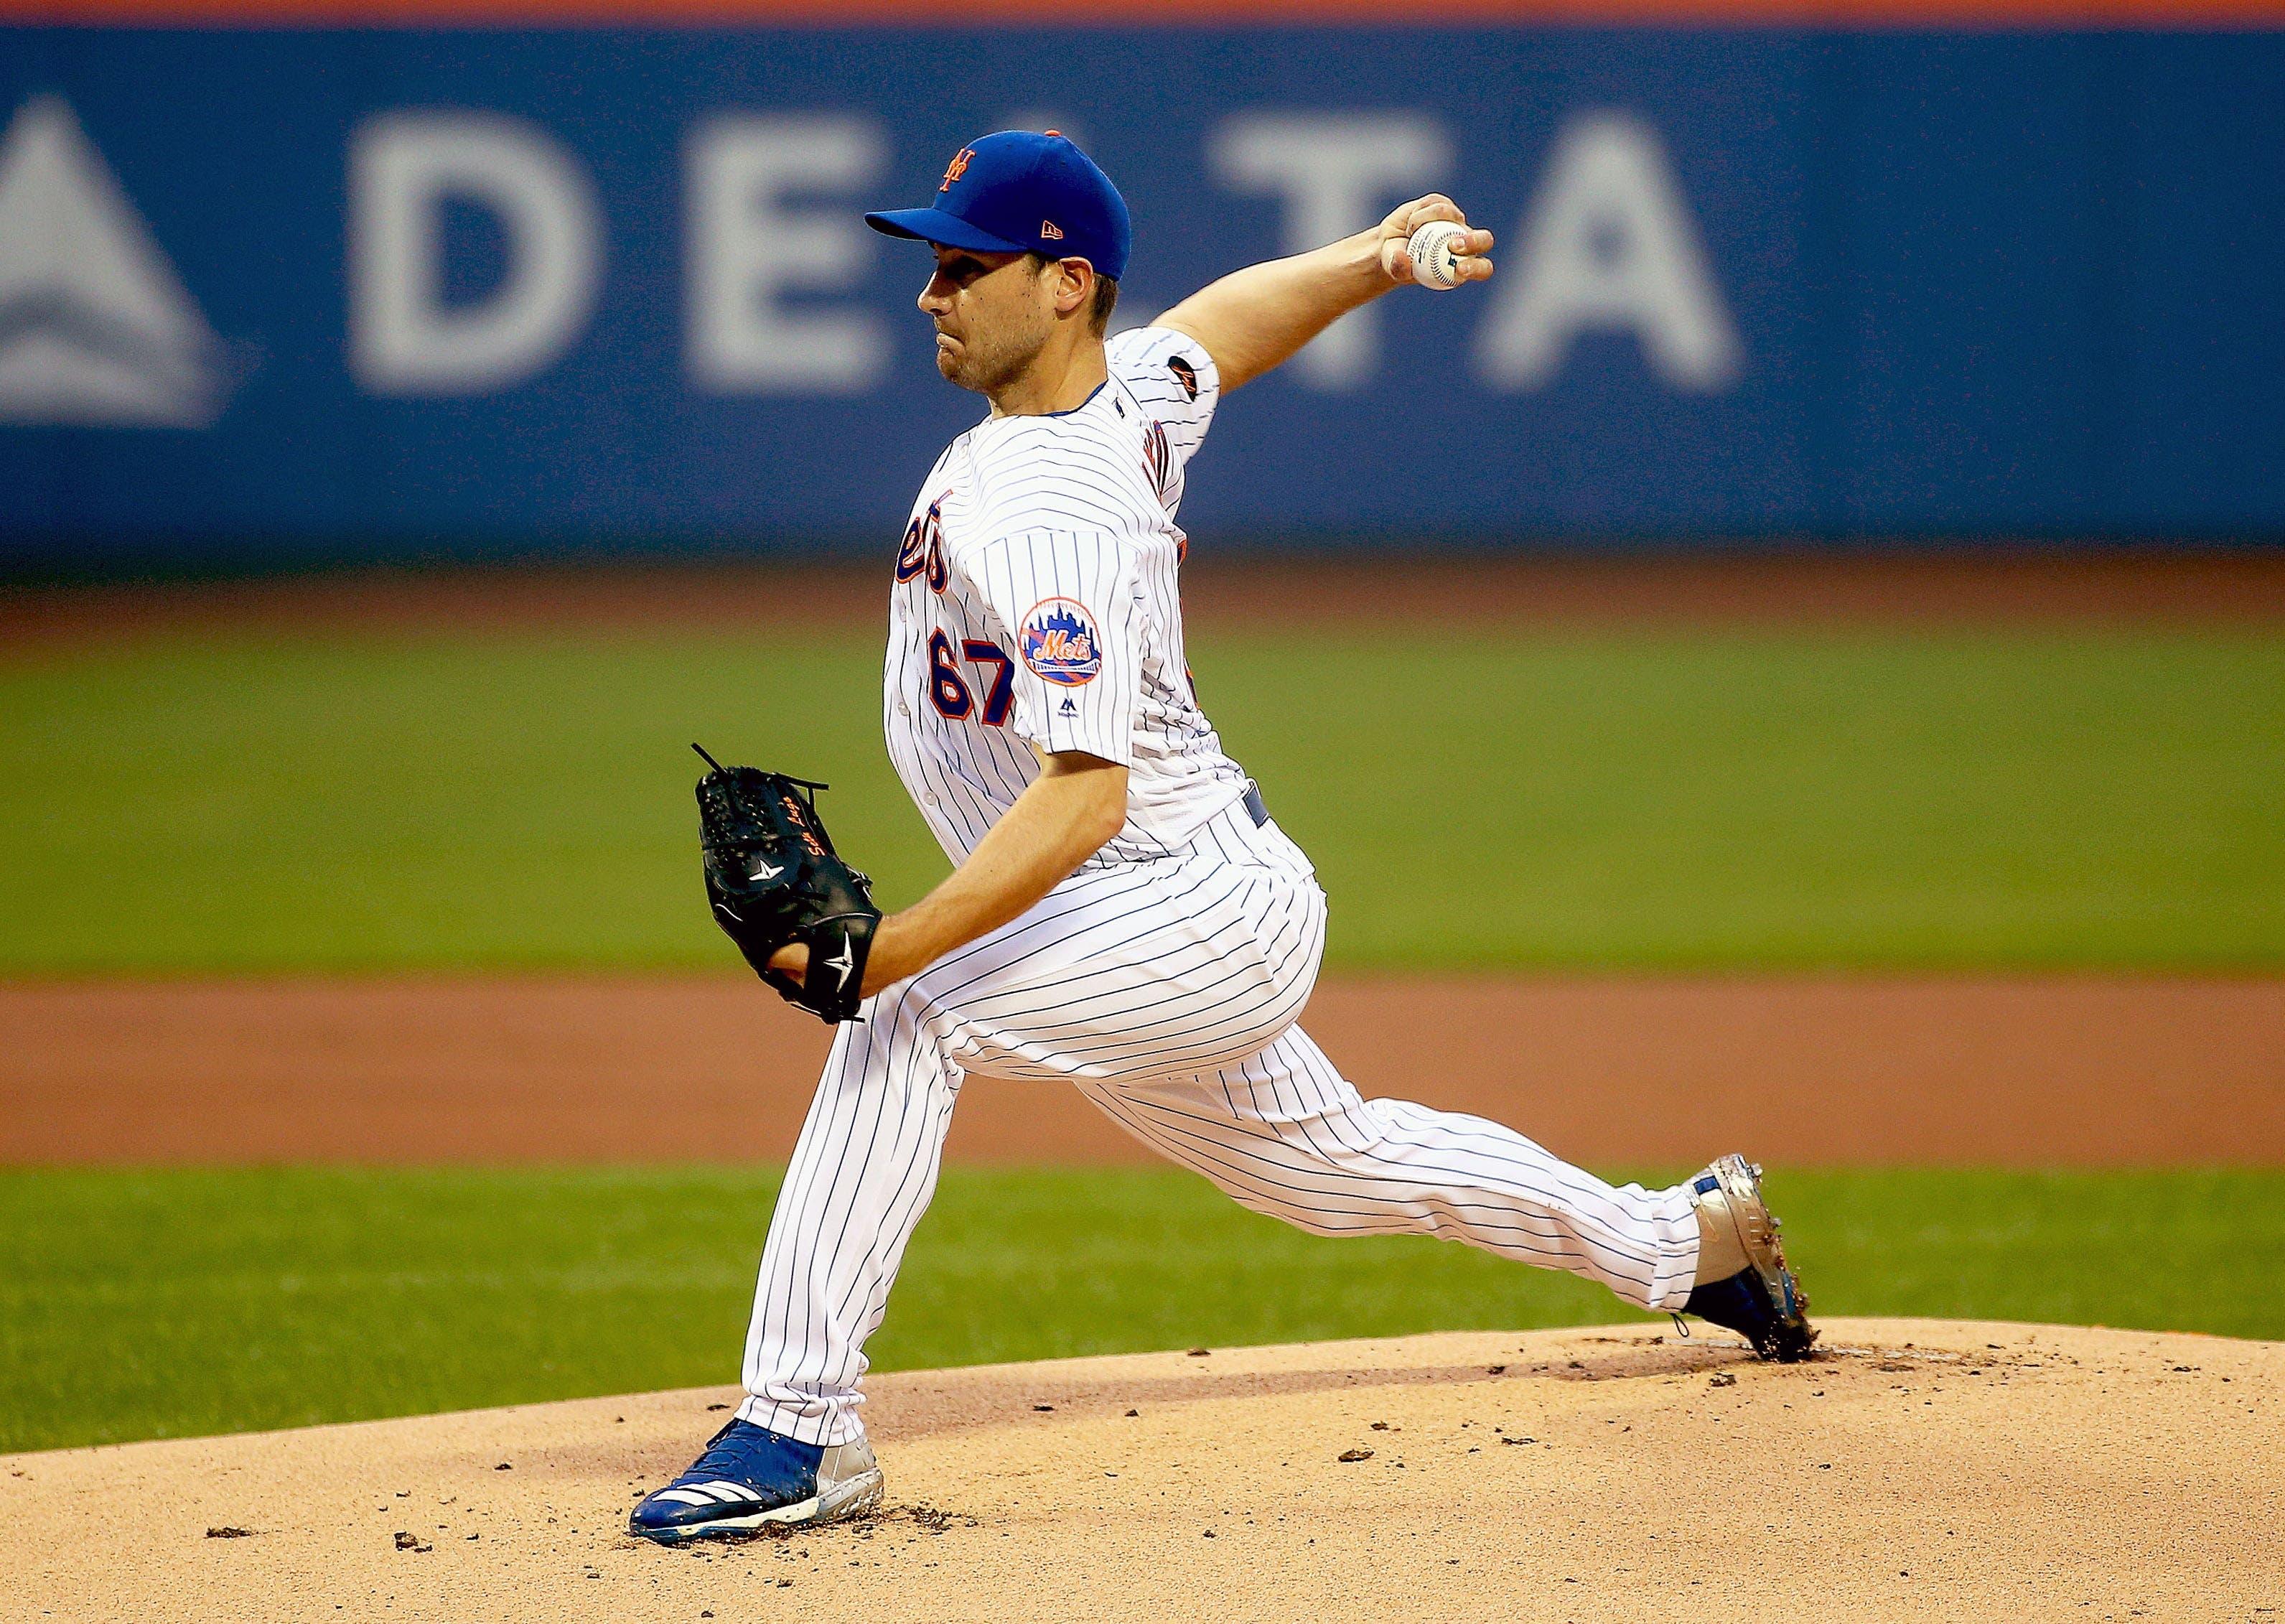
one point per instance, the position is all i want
(1253, 319)
(1062, 819)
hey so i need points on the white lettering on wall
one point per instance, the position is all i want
(1608, 245)
(1335, 174)
(404, 339)
(747, 247)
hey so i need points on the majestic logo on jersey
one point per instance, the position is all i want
(957, 168)
(1185, 374)
(1050, 232)
(94, 326)
(1060, 644)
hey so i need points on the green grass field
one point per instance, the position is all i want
(1651, 800)
(165, 1304)
(1644, 800)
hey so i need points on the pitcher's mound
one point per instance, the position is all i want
(1917, 1470)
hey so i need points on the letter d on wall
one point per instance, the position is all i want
(404, 339)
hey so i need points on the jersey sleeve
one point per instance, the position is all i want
(1172, 377)
(1067, 601)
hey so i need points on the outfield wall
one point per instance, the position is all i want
(280, 292)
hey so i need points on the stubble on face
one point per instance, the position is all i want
(997, 327)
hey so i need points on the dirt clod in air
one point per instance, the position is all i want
(228, 1532)
(1353, 1455)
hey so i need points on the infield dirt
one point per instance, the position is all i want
(2028, 1071)
(1916, 1470)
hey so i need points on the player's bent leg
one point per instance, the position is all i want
(1182, 964)
(1285, 1133)
(862, 1173)
(1130, 968)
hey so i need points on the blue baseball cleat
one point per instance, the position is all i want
(1762, 1301)
(751, 1476)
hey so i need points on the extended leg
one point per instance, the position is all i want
(1285, 1133)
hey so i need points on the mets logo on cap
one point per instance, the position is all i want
(1060, 644)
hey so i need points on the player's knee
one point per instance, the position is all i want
(918, 1006)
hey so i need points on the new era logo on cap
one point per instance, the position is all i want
(1050, 232)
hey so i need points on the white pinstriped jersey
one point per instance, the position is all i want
(1036, 603)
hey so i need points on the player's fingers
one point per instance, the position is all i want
(1475, 269)
(1394, 262)
(1435, 205)
(1474, 242)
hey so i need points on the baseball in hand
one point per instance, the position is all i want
(1434, 254)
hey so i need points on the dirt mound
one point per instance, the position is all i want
(1918, 1469)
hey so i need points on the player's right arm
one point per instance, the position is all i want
(1062, 818)
(1067, 646)
(1252, 320)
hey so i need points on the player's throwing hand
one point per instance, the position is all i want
(1395, 231)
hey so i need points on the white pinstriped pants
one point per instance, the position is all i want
(1165, 991)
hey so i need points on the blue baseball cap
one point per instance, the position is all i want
(1018, 193)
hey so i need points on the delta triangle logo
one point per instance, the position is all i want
(96, 329)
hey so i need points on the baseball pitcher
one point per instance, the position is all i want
(1124, 917)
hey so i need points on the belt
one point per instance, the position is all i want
(1255, 807)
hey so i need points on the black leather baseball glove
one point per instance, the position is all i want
(772, 877)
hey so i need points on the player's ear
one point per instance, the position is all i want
(1074, 285)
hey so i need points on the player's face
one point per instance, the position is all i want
(993, 314)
